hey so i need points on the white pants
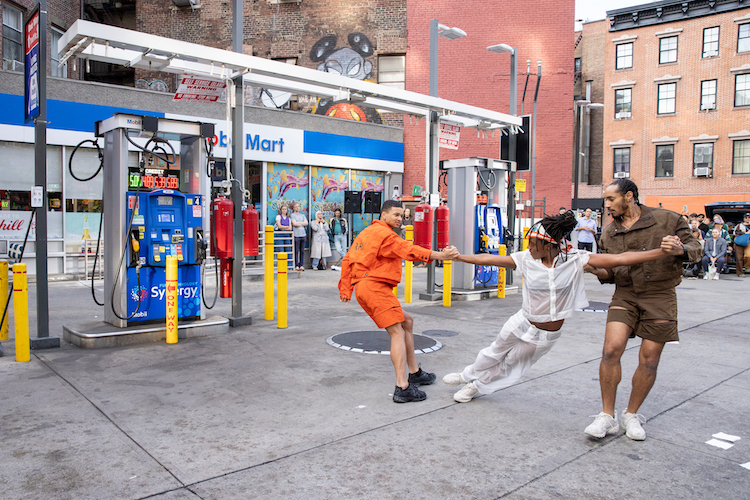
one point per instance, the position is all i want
(517, 347)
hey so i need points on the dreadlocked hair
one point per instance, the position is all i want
(558, 227)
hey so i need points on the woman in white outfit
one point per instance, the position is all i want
(553, 287)
(320, 247)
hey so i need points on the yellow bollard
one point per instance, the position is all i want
(4, 298)
(21, 313)
(408, 267)
(395, 290)
(525, 238)
(501, 274)
(268, 272)
(171, 299)
(447, 279)
(282, 289)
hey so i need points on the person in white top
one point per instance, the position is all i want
(553, 287)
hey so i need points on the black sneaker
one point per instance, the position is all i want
(421, 378)
(408, 395)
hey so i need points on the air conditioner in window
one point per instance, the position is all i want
(702, 172)
(711, 53)
(707, 107)
(623, 114)
(187, 3)
(622, 175)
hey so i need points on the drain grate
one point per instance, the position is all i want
(378, 342)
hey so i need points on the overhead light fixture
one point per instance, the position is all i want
(500, 48)
(450, 33)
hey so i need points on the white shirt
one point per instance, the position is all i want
(552, 293)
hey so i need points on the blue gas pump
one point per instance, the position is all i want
(165, 222)
(489, 237)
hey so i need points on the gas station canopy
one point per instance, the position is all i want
(104, 43)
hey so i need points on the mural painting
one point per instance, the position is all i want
(286, 184)
(328, 186)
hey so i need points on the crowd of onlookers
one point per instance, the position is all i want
(720, 241)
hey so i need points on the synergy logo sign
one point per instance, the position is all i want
(31, 70)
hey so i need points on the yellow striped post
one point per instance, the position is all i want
(525, 238)
(408, 268)
(447, 279)
(282, 263)
(21, 313)
(268, 273)
(501, 274)
(171, 299)
(4, 281)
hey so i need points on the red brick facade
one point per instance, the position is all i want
(688, 125)
(470, 74)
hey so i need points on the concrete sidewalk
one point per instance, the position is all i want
(268, 413)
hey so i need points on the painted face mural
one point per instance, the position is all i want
(349, 62)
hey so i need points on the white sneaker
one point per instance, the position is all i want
(716, 276)
(453, 379)
(466, 394)
(705, 276)
(631, 422)
(603, 424)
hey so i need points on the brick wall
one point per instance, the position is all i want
(470, 74)
(688, 121)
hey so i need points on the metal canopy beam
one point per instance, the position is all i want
(99, 42)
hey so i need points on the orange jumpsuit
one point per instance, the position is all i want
(373, 266)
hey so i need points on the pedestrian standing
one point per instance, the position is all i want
(586, 229)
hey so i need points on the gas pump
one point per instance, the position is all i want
(152, 211)
(476, 199)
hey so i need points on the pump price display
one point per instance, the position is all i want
(151, 182)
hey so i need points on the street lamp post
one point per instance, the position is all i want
(513, 51)
(580, 105)
(433, 153)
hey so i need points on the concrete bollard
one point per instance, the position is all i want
(171, 282)
(282, 263)
(21, 313)
(447, 282)
(268, 273)
(408, 268)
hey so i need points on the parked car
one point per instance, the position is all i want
(732, 213)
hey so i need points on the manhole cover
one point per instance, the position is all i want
(599, 307)
(440, 333)
(378, 342)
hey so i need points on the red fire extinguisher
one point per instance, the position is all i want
(443, 216)
(222, 233)
(250, 223)
(423, 226)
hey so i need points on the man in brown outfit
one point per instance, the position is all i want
(644, 301)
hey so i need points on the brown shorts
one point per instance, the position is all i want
(638, 308)
(378, 301)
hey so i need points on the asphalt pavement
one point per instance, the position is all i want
(262, 412)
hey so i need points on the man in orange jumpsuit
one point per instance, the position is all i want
(373, 266)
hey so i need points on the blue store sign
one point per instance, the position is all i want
(31, 70)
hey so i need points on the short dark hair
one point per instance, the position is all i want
(625, 185)
(389, 204)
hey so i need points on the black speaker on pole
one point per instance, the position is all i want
(352, 202)
(373, 202)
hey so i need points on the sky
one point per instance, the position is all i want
(594, 10)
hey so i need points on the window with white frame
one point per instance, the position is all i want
(12, 38)
(708, 94)
(57, 70)
(623, 103)
(703, 158)
(667, 49)
(743, 38)
(667, 98)
(742, 90)
(665, 160)
(711, 42)
(741, 157)
(621, 162)
(624, 56)
(392, 71)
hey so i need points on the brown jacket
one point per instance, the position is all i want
(646, 234)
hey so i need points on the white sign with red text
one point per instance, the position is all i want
(13, 225)
(199, 89)
(449, 135)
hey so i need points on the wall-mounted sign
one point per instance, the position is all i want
(449, 135)
(199, 89)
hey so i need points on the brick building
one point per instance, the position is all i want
(677, 102)
(385, 41)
